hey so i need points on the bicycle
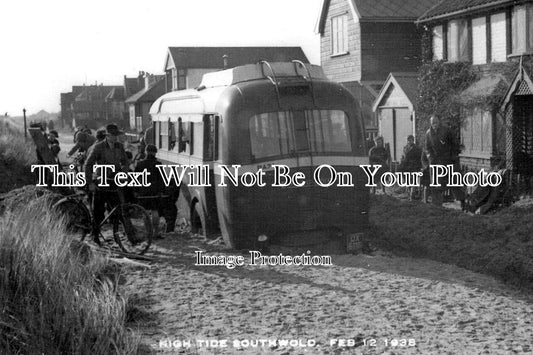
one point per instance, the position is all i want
(128, 223)
(78, 161)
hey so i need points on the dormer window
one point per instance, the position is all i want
(178, 79)
(339, 34)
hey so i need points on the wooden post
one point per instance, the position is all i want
(25, 128)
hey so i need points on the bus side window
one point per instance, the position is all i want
(182, 143)
(171, 135)
(163, 135)
(157, 133)
(216, 138)
(211, 137)
(185, 136)
(190, 136)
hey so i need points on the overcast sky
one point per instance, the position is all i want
(49, 45)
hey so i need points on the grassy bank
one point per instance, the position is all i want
(52, 297)
(500, 244)
(16, 157)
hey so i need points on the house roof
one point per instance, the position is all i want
(524, 76)
(485, 86)
(92, 92)
(381, 10)
(148, 94)
(405, 82)
(132, 85)
(116, 94)
(211, 57)
(450, 8)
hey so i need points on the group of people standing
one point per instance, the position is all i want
(106, 149)
(440, 148)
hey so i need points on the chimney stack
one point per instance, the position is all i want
(148, 80)
(225, 60)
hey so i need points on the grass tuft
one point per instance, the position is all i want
(51, 300)
(13, 147)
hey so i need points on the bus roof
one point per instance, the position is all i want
(204, 98)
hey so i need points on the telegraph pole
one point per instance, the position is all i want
(25, 130)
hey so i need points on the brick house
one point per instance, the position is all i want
(138, 105)
(495, 37)
(87, 105)
(115, 103)
(185, 66)
(362, 41)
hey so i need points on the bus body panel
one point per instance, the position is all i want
(244, 213)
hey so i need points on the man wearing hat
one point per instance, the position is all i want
(106, 152)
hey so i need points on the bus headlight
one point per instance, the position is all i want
(262, 243)
(262, 238)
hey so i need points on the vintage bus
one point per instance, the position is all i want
(256, 116)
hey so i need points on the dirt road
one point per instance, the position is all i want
(361, 304)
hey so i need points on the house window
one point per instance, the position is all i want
(181, 79)
(174, 80)
(339, 34)
(479, 40)
(498, 37)
(458, 41)
(522, 29)
(438, 43)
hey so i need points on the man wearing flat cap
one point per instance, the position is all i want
(109, 151)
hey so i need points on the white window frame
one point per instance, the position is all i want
(454, 41)
(174, 79)
(522, 38)
(498, 40)
(479, 38)
(339, 34)
(438, 34)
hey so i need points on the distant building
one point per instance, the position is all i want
(66, 115)
(138, 104)
(362, 41)
(185, 66)
(88, 105)
(116, 109)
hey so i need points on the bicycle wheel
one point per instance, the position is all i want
(76, 215)
(132, 230)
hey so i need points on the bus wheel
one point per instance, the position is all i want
(197, 220)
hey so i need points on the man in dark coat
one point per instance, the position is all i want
(109, 152)
(411, 160)
(379, 155)
(411, 156)
(442, 149)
